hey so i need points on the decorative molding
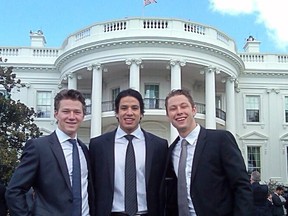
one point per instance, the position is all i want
(174, 62)
(276, 90)
(27, 85)
(96, 66)
(131, 61)
(254, 135)
(236, 85)
(70, 75)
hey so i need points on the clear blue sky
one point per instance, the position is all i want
(58, 19)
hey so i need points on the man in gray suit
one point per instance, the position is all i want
(47, 165)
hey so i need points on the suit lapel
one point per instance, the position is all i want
(171, 173)
(84, 149)
(58, 152)
(86, 154)
(201, 141)
(149, 155)
(110, 151)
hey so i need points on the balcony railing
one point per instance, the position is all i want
(156, 103)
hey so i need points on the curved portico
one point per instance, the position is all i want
(168, 53)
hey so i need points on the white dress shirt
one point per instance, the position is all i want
(192, 140)
(67, 150)
(121, 144)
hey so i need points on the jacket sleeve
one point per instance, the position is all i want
(21, 181)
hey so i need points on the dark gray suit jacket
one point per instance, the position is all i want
(277, 209)
(219, 182)
(44, 168)
(101, 151)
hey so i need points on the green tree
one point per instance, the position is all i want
(16, 123)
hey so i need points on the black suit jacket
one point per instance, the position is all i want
(44, 168)
(3, 207)
(101, 151)
(277, 209)
(219, 182)
(261, 204)
(260, 194)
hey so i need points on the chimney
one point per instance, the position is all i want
(37, 39)
(252, 45)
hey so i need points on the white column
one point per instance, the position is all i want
(175, 84)
(134, 76)
(210, 107)
(230, 104)
(176, 73)
(96, 98)
(72, 81)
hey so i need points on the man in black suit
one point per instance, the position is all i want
(260, 195)
(214, 180)
(108, 153)
(48, 165)
(278, 202)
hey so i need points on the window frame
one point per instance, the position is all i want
(44, 105)
(253, 168)
(151, 102)
(114, 92)
(285, 102)
(259, 108)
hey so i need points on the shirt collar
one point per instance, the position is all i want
(192, 136)
(62, 137)
(121, 133)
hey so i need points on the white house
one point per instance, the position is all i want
(245, 93)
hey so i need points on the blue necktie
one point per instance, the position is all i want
(131, 206)
(76, 180)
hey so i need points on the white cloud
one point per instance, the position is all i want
(272, 14)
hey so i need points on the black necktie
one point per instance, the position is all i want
(76, 180)
(182, 184)
(131, 205)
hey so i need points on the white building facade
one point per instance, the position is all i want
(245, 93)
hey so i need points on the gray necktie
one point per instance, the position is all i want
(182, 184)
(131, 205)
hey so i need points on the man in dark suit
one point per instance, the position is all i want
(48, 165)
(108, 155)
(206, 165)
(278, 202)
(260, 195)
(3, 207)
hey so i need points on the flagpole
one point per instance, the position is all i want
(143, 8)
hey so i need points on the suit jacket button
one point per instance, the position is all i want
(70, 200)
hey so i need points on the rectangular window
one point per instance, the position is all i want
(254, 159)
(286, 109)
(151, 97)
(44, 102)
(252, 108)
(88, 102)
(218, 101)
(286, 160)
(115, 92)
